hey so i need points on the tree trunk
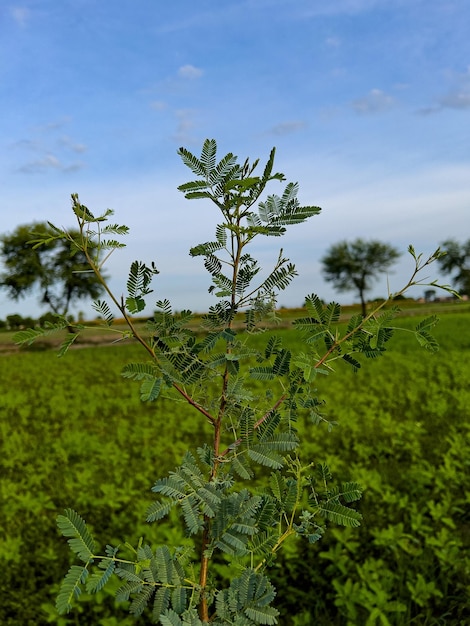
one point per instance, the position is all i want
(363, 303)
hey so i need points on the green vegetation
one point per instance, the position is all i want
(403, 433)
(249, 487)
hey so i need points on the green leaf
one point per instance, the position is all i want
(426, 340)
(273, 346)
(227, 168)
(191, 516)
(29, 335)
(423, 335)
(72, 525)
(193, 185)
(135, 305)
(98, 580)
(129, 588)
(160, 602)
(352, 361)
(282, 363)
(262, 373)
(340, 514)
(350, 491)
(159, 510)
(139, 371)
(278, 485)
(307, 366)
(67, 342)
(208, 155)
(150, 389)
(315, 306)
(331, 313)
(171, 618)
(194, 164)
(70, 588)
(264, 456)
(102, 308)
(262, 614)
(141, 600)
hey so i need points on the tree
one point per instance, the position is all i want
(353, 266)
(246, 491)
(57, 269)
(456, 261)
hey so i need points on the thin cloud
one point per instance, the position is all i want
(190, 72)
(21, 15)
(456, 100)
(185, 125)
(67, 142)
(51, 126)
(49, 163)
(158, 105)
(286, 128)
(51, 151)
(333, 42)
(376, 101)
(25, 144)
(345, 7)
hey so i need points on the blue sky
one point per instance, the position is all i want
(366, 101)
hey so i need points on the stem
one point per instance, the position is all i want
(236, 249)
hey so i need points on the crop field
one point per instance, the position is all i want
(75, 434)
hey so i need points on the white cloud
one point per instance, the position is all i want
(190, 72)
(376, 101)
(21, 15)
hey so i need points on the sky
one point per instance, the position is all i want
(366, 101)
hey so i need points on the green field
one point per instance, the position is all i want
(75, 434)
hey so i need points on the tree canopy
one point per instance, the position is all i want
(354, 266)
(457, 263)
(57, 271)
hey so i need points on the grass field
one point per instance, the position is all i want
(74, 433)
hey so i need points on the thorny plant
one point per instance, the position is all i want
(246, 491)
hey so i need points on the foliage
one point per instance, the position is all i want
(457, 261)
(246, 490)
(60, 272)
(353, 266)
(92, 443)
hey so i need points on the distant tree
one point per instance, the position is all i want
(353, 266)
(17, 321)
(457, 263)
(53, 269)
(429, 295)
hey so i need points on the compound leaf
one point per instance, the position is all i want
(70, 588)
(72, 525)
